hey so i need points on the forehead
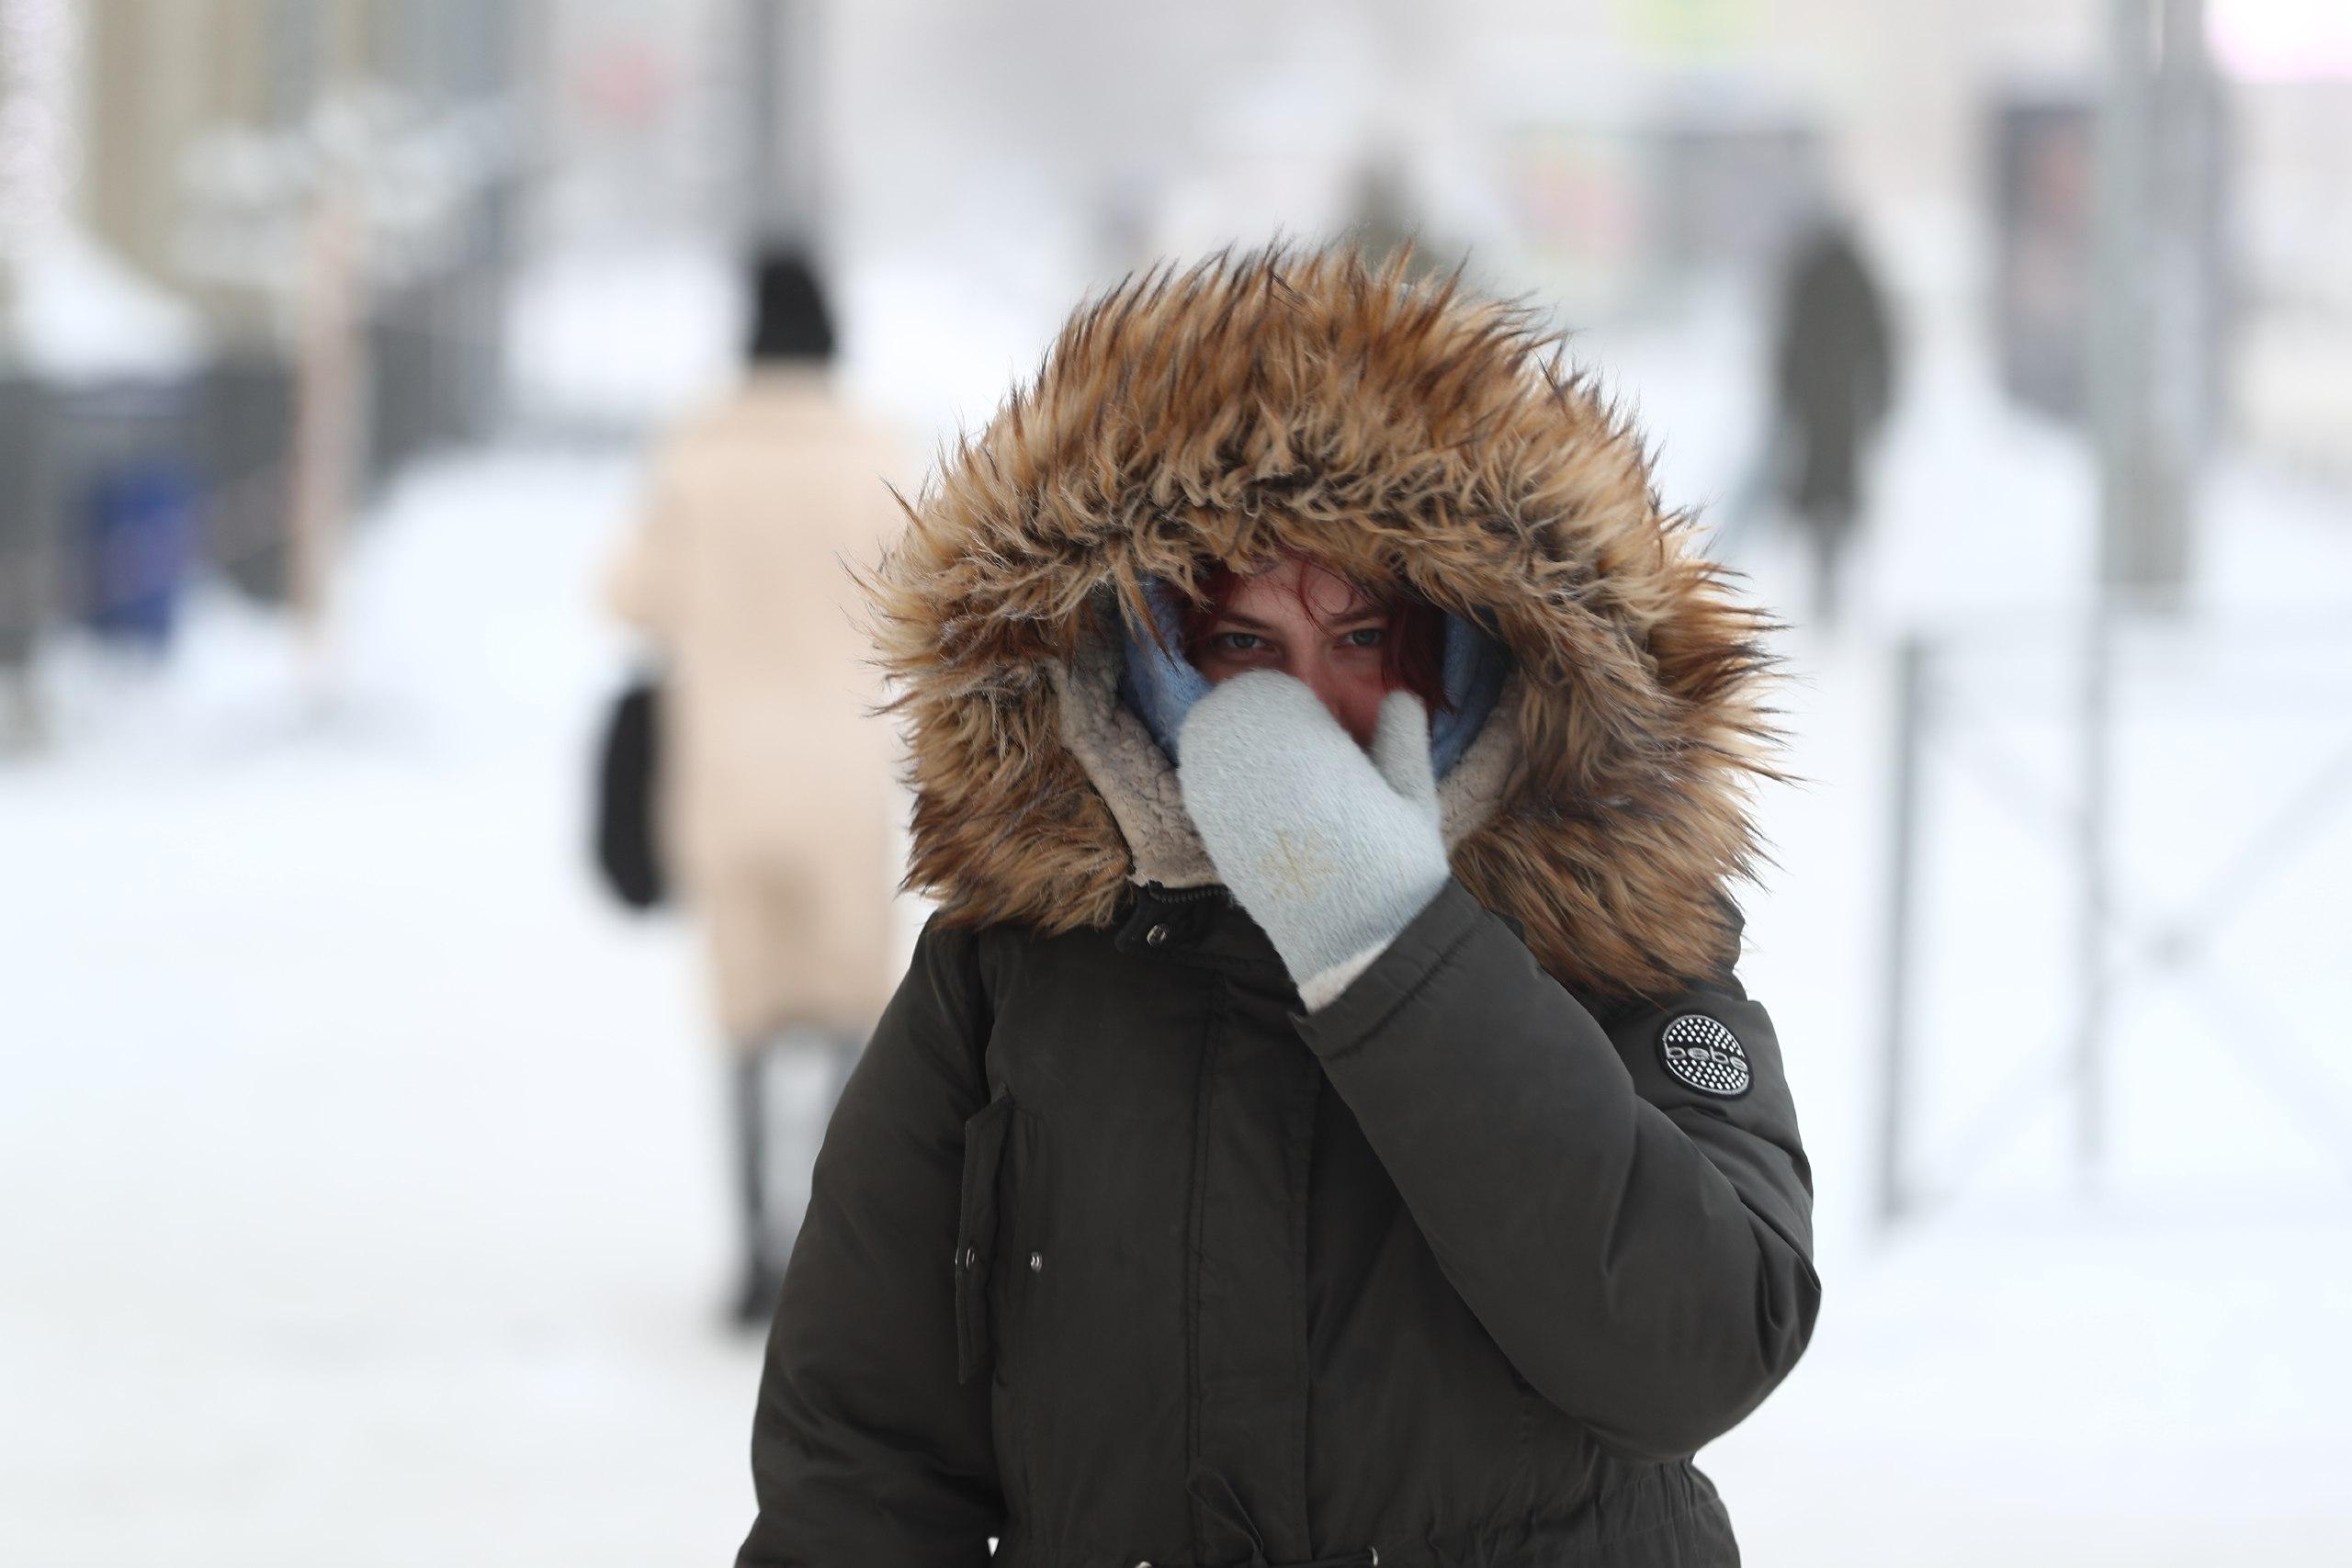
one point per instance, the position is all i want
(1277, 590)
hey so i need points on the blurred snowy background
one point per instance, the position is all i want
(361, 1184)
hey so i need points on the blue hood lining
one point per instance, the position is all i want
(1161, 687)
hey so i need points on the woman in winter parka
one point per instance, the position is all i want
(1321, 1123)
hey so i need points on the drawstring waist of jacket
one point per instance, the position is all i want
(1211, 1488)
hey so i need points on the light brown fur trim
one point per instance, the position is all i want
(1407, 436)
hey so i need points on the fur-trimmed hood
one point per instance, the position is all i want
(1403, 433)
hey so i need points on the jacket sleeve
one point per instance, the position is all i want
(866, 1448)
(1640, 1248)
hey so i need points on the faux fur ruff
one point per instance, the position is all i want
(1409, 437)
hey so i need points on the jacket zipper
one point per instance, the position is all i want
(1186, 895)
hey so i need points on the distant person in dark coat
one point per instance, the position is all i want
(1832, 384)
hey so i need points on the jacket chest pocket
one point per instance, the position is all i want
(977, 1226)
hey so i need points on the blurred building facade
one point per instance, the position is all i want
(967, 172)
(317, 201)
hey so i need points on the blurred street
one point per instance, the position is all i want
(420, 1229)
(371, 1174)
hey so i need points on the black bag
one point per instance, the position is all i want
(627, 781)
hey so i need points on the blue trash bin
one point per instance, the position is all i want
(140, 521)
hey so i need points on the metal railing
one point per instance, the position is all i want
(2299, 683)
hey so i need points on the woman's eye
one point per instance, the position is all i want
(1376, 635)
(1226, 641)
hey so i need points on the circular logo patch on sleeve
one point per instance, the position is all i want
(1703, 1053)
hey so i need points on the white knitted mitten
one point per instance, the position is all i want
(1332, 851)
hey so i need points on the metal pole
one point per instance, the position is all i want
(1910, 720)
(2128, 506)
(763, 58)
(2180, 345)
(2096, 812)
(784, 123)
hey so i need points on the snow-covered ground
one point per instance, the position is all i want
(364, 1183)
(365, 1197)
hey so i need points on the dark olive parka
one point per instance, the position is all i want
(1114, 1254)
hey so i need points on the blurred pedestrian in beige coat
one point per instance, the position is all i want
(776, 807)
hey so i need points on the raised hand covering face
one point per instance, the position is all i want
(1331, 851)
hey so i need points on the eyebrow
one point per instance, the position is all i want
(1369, 612)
